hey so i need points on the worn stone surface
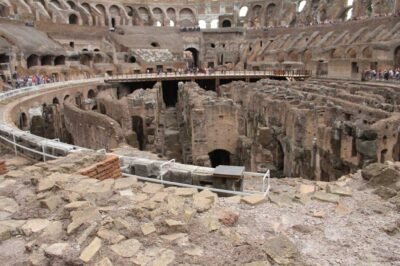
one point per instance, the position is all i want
(90, 251)
(127, 248)
(254, 200)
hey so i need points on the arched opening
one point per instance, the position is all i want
(397, 57)
(73, 19)
(171, 23)
(137, 127)
(113, 24)
(226, 24)
(46, 60)
(59, 60)
(23, 122)
(66, 97)
(202, 24)
(129, 10)
(186, 17)
(144, 15)
(220, 157)
(56, 101)
(158, 24)
(243, 11)
(85, 60)
(195, 56)
(102, 10)
(33, 60)
(349, 14)
(301, 6)
(132, 59)
(91, 94)
(270, 13)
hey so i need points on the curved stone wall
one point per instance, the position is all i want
(90, 129)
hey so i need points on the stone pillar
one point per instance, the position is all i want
(397, 6)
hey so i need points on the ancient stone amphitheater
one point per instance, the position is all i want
(204, 132)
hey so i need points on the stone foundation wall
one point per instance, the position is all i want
(91, 129)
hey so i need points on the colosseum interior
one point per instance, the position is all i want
(232, 132)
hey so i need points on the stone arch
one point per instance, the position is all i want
(243, 11)
(187, 17)
(32, 60)
(397, 57)
(219, 157)
(158, 15)
(115, 14)
(171, 14)
(144, 14)
(270, 14)
(66, 97)
(56, 101)
(71, 4)
(103, 13)
(59, 60)
(351, 53)
(367, 52)
(129, 11)
(91, 94)
(195, 55)
(226, 23)
(23, 122)
(73, 19)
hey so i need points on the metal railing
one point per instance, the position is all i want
(243, 73)
(7, 132)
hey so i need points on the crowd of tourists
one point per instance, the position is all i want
(385, 74)
(33, 80)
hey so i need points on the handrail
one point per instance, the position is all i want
(230, 73)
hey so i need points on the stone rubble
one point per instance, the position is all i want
(76, 220)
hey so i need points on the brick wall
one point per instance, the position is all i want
(106, 169)
(3, 167)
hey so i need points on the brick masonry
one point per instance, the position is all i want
(3, 167)
(106, 169)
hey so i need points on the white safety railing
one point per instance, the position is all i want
(164, 168)
(7, 132)
(266, 182)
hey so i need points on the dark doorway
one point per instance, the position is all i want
(226, 24)
(137, 127)
(73, 19)
(113, 22)
(195, 55)
(220, 157)
(33, 60)
(23, 122)
(279, 157)
(170, 92)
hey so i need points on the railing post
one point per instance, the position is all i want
(43, 153)
(15, 145)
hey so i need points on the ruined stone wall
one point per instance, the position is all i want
(141, 104)
(314, 130)
(209, 124)
(90, 129)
